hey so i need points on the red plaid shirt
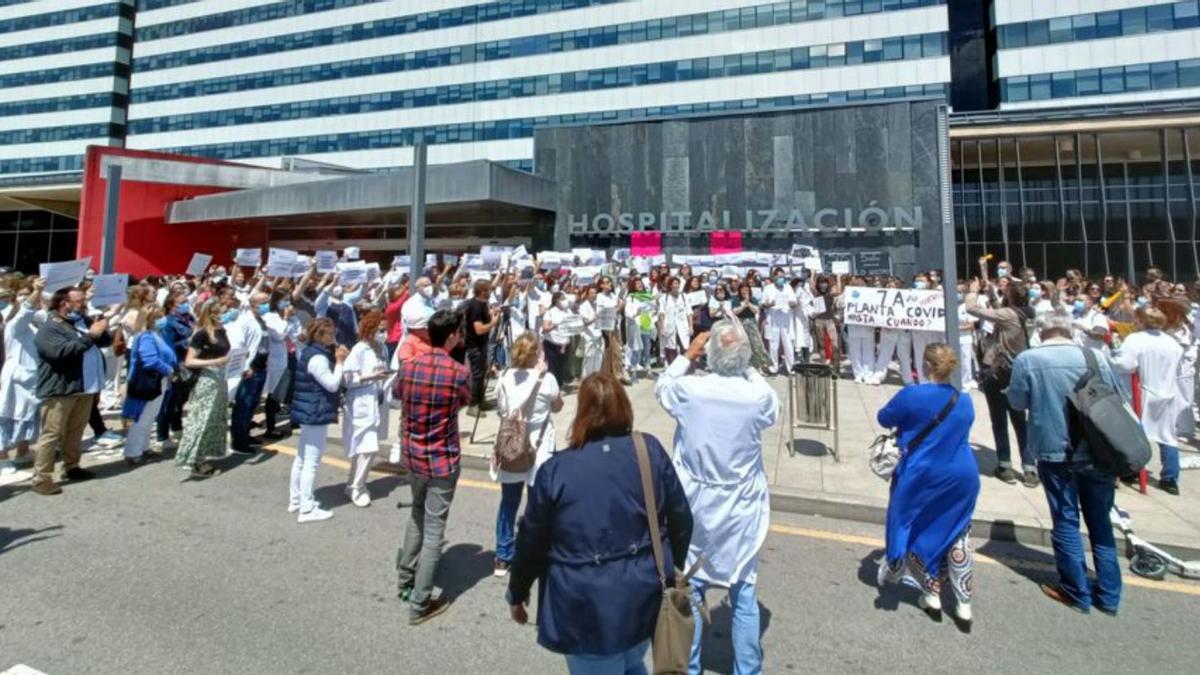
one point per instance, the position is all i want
(433, 387)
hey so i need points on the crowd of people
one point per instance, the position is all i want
(312, 350)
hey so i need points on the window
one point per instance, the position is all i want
(1038, 33)
(1087, 82)
(1160, 18)
(1164, 76)
(1108, 24)
(1134, 20)
(1137, 78)
(1012, 36)
(1112, 80)
(1084, 26)
(1062, 85)
(1060, 29)
(1187, 14)
(1018, 89)
(1039, 87)
(1189, 73)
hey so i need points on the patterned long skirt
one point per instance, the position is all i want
(958, 569)
(758, 351)
(206, 419)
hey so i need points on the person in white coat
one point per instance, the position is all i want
(640, 331)
(1155, 357)
(282, 329)
(779, 302)
(802, 336)
(923, 338)
(720, 419)
(19, 418)
(966, 341)
(516, 390)
(593, 340)
(894, 342)
(363, 421)
(674, 320)
(860, 340)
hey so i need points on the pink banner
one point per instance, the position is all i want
(725, 242)
(645, 244)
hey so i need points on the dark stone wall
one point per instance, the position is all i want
(837, 158)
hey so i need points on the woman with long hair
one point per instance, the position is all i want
(363, 422)
(207, 408)
(746, 310)
(934, 488)
(555, 341)
(314, 408)
(640, 332)
(150, 358)
(589, 498)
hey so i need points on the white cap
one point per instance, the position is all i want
(415, 313)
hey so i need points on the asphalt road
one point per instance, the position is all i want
(139, 573)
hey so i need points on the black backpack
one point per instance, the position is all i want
(1104, 420)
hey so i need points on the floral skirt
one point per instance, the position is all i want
(958, 569)
(206, 419)
(758, 351)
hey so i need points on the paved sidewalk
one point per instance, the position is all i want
(809, 480)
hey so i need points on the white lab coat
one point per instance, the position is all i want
(676, 316)
(277, 334)
(718, 456)
(593, 344)
(362, 423)
(1156, 358)
(244, 333)
(780, 304)
(18, 377)
(801, 315)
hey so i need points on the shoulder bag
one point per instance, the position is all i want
(512, 450)
(884, 453)
(676, 625)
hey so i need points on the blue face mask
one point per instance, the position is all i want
(160, 324)
(920, 285)
(283, 305)
(1035, 293)
(960, 297)
(1001, 273)
(1079, 307)
(183, 308)
(779, 282)
(264, 308)
(229, 316)
(541, 285)
(1141, 302)
(4, 305)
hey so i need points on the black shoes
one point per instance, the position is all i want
(76, 473)
(1170, 487)
(1030, 479)
(434, 608)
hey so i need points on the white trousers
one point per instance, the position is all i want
(966, 359)
(780, 335)
(304, 466)
(137, 439)
(894, 342)
(920, 340)
(359, 466)
(593, 356)
(860, 346)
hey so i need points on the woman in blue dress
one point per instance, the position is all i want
(933, 490)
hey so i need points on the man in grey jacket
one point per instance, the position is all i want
(62, 343)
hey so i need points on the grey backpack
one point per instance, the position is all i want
(1114, 434)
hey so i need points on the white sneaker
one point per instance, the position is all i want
(110, 439)
(963, 611)
(293, 508)
(360, 498)
(394, 455)
(317, 513)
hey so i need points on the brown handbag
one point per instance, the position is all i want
(676, 626)
(512, 450)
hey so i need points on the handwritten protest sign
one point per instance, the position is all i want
(895, 308)
(572, 324)
(327, 262)
(280, 262)
(110, 289)
(351, 273)
(63, 274)
(696, 298)
(199, 264)
(248, 257)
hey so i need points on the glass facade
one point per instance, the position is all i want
(1098, 25)
(1108, 202)
(899, 48)
(30, 238)
(1162, 76)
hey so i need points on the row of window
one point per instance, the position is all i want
(48, 134)
(147, 5)
(44, 105)
(68, 74)
(758, 16)
(479, 131)
(1134, 21)
(811, 10)
(1165, 75)
(76, 44)
(239, 17)
(460, 16)
(60, 18)
(733, 65)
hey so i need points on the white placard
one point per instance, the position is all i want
(493, 255)
(895, 308)
(480, 275)
(621, 255)
(280, 262)
(587, 275)
(658, 259)
(110, 289)
(818, 305)
(606, 318)
(63, 274)
(199, 264)
(352, 253)
(472, 261)
(840, 267)
(235, 366)
(430, 261)
(730, 272)
(301, 266)
(248, 257)
(373, 271)
(327, 262)
(550, 260)
(642, 265)
(402, 262)
(351, 273)
(520, 253)
(572, 324)
(696, 298)
(450, 258)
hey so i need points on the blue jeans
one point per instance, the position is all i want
(1070, 491)
(506, 520)
(245, 399)
(629, 662)
(747, 650)
(1001, 414)
(1170, 462)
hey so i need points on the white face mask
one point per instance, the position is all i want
(426, 291)
(561, 304)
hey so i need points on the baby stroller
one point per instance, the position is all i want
(1147, 560)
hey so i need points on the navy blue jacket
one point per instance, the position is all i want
(177, 334)
(585, 538)
(312, 403)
